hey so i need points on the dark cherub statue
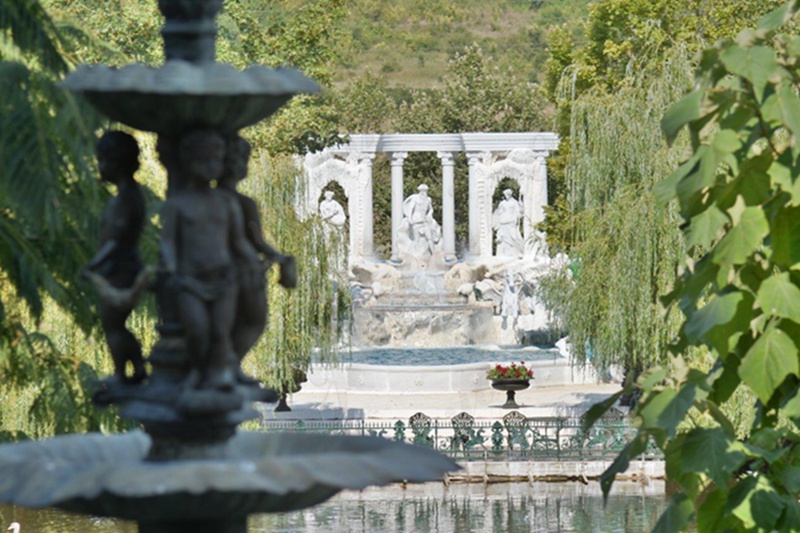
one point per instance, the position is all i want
(116, 269)
(203, 231)
(251, 312)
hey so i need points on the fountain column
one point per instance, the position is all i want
(367, 240)
(474, 206)
(397, 198)
(448, 205)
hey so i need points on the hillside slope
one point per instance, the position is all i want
(410, 41)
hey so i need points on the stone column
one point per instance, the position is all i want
(485, 190)
(535, 194)
(473, 158)
(397, 197)
(541, 188)
(367, 241)
(448, 206)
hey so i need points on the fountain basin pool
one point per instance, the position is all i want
(453, 355)
(445, 370)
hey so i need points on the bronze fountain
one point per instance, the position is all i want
(190, 469)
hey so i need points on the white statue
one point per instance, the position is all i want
(505, 220)
(509, 307)
(331, 211)
(419, 234)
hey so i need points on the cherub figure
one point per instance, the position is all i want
(251, 306)
(116, 269)
(203, 231)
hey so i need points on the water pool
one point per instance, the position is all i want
(475, 508)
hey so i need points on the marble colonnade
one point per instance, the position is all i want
(491, 157)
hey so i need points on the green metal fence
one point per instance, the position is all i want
(514, 437)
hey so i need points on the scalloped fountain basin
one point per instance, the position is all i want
(456, 369)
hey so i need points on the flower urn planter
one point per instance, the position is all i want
(511, 386)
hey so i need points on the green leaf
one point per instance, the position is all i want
(725, 384)
(600, 408)
(790, 521)
(677, 516)
(785, 237)
(665, 410)
(792, 407)
(665, 190)
(633, 449)
(650, 378)
(703, 177)
(766, 444)
(705, 227)
(793, 46)
(755, 64)
(789, 475)
(752, 184)
(768, 362)
(743, 238)
(681, 113)
(775, 19)
(712, 452)
(719, 310)
(726, 141)
(719, 416)
(782, 175)
(711, 513)
(790, 107)
(779, 296)
(755, 502)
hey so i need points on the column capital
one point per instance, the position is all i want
(448, 158)
(366, 158)
(398, 158)
(473, 158)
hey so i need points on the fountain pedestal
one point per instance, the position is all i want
(192, 471)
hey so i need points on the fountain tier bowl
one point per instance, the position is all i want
(262, 473)
(180, 95)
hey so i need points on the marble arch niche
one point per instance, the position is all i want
(321, 169)
(339, 195)
(497, 196)
(526, 168)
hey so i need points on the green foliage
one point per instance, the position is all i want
(305, 320)
(45, 390)
(118, 33)
(627, 245)
(737, 197)
(49, 199)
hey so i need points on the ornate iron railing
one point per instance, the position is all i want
(515, 437)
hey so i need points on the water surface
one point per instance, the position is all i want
(508, 507)
(458, 355)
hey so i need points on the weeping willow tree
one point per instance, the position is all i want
(305, 320)
(626, 247)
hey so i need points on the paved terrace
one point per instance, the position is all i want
(537, 401)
